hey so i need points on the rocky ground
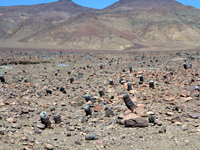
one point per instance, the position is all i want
(51, 100)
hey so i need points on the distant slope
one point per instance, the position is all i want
(161, 23)
(60, 6)
(142, 4)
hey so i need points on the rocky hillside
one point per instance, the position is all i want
(59, 6)
(161, 23)
(142, 4)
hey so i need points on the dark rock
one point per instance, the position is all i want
(108, 112)
(129, 86)
(151, 84)
(101, 92)
(87, 97)
(71, 80)
(57, 118)
(45, 119)
(87, 110)
(151, 119)
(1, 132)
(48, 91)
(91, 137)
(129, 103)
(136, 122)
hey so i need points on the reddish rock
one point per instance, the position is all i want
(141, 105)
(166, 93)
(125, 86)
(144, 85)
(27, 84)
(177, 123)
(70, 128)
(133, 92)
(121, 116)
(158, 122)
(134, 99)
(128, 111)
(133, 83)
(187, 99)
(169, 113)
(128, 117)
(120, 96)
(11, 120)
(140, 111)
(49, 147)
(183, 93)
(98, 108)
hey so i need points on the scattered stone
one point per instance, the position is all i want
(70, 128)
(84, 119)
(136, 122)
(169, 113)
(40, 126)
(129, 117)
(57, 118)
(45, 119)
(151, 119)
(108, 112)
(98, 108)
(177, 119)
(87, 110)
(49, 147)
(11, 120)
(183, 93)
(194, 116)
(150, 113)
(162, 130)
(129, 103)
(15, 125)
(158, 122)
(91, 137)
(140, 111)
(1, 132)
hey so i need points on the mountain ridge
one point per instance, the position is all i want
(68, 25)
(142, 4)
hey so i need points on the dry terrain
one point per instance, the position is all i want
(28, 76)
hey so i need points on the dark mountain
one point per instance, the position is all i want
(142, 4)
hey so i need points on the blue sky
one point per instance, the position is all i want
(88, 3)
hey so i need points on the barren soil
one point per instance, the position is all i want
(173, 102)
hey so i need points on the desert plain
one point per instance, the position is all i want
(173, 101)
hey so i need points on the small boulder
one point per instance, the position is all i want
(136, 122)
(91, 137)
(128, 117)
(15, 125)
(194, 116)
(162, 130)
(98, 108)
